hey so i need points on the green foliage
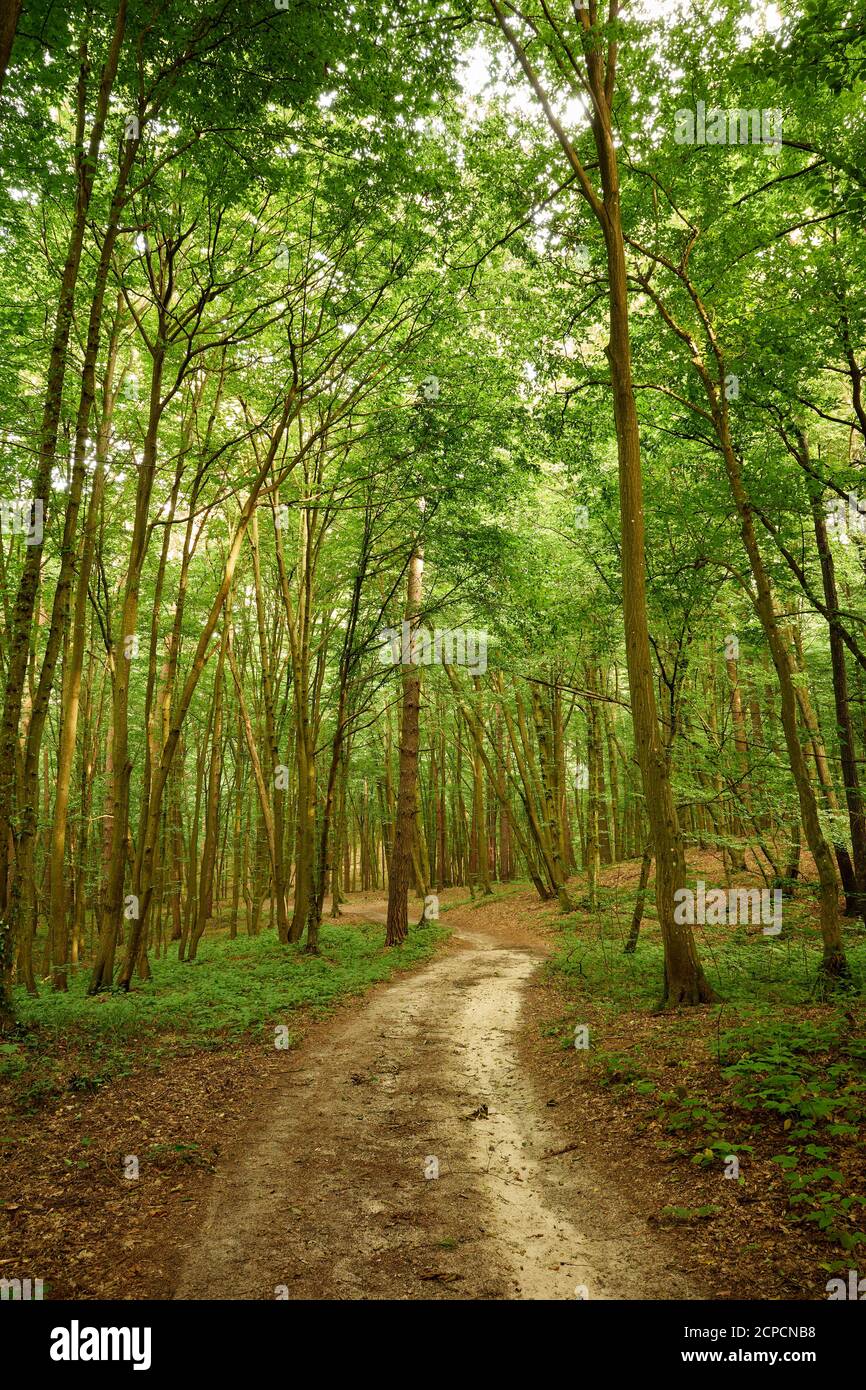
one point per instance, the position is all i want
(235, 989)
(718, 1152)
(742, 968)
(810, 1075)
(686, 1214)
(681, 1113)
(775, 1073)
(619, 1070)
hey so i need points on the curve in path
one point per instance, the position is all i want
(331, 1195)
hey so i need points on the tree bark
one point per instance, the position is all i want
(400, 863)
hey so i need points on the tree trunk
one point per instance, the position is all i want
(400, 863)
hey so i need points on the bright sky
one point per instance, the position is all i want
(476, 70)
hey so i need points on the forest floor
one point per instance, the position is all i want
(330, 1199)
(304, 1173)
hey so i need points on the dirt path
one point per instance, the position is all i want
(328, 1197)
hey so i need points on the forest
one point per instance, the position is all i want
(433, 649)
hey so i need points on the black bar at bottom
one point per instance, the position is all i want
(62, 1340)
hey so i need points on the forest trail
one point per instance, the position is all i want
(328, 1196)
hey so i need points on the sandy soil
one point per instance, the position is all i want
(328, 1196)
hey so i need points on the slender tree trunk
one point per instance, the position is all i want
(9, 16)
(847, 746)
(204, 911)
(637, 916)
(684, 982)
(834, 963)
(19, 641)
(72, 686)
(399, 865)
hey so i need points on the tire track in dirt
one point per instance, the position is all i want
(327, 1197)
